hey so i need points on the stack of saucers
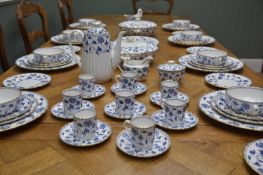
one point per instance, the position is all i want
(18, 108)
(211, 61)
(46, 59)
(181, 24)
(240, 107)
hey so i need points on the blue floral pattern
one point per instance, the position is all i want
(142, 28)
(98, 91)
(140, 88)
(156, 97)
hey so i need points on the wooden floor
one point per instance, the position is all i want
(211, 148)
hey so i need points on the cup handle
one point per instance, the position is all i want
(118, 78)
(171, 61)
(127, 125)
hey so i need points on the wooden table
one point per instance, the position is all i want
(211, 148)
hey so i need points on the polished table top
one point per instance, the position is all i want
(211, 148)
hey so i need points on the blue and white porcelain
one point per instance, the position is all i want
(9, 98)
(253, 154)
(171, 71)
(245, 100)
(204, 40)
(139, 89)
(236, 65)
(181, 23)
(59, 39)
(212, 57)
(196, 49)
(190, 35)
(68, 136)
(67, 48)
(189, 121)
(227, 80)
(206, 107)
(127, 79)
(99, 91)
(169, 89)
(72, 100)
(172, 27)
(41, 107)
(111, 110)
(74, 35)
(27, 81)
(125, 100)
(156, 97)
(79, 26)
(48, 55)
(142, 28)
(142, 131)
(160, 145)
(58, 109)
(87, 84)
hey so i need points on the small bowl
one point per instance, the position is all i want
(48, 55)
(191, 35)
(181, 23)
(171, 71)
(212, 57)
(245, 100)
(140, 67)
(8, 100)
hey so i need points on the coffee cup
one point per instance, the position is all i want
(73, 35)
(191, 35)
(87, 84)
(211, 57)
(72, 100)
(127, 79)
(181, 23)
(169, 89)
(125, 100)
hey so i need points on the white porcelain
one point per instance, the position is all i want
(136, 16)
(59, 39)
(172, 27)
(139, 89)
(127, 79)
(87, 84)
(176, 38)
(73, 35)
(196, 49)
(169, 89)
(99, 90)
(86, 21)
(171, 71)
(211, 57)
(134, 27)
(67, 48)
(79, 26)
(125, 100)
(48, 55)
(181, 23)
(9, 98)
(191, 35)
(156, 97)
(72, 100)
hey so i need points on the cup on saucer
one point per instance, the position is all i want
(48, 55)
(127, 79)
(142, 131)
(181, 23)
(86, 21)
(9, 98)
(73, 35)
(211, 57)
(72, 100)
(171, 71)
(169, 89)
(87, 84)
(125, 100)
(191, 35)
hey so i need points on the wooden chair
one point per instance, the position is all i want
(65, 20)
(3, 58)
(24, 10)
(168, 12)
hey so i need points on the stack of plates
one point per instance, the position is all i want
(30, 107)
(142, 28)
(171, 26)
(190, 61)
(214, 106)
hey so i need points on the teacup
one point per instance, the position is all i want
(191, 35)
(48, 55)
(245, 100)
(171, 71)
(169, 89)
(87, 84)
(72, 100)
(174, 110)
(211, 57)
(181, 23)
(142, 131)
(85, 124)
(73, 35)
(86, 21)
(125, 100)
(9, 99)
(127, 79)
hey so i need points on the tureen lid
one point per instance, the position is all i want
(171, 66)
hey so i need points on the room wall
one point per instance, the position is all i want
(236, 23)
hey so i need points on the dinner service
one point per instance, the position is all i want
(206, 107)
(27, 81)
(189, 121)
(227, 80)
(253, 154)
(67, 135)
(48, 55)
(141, 27)
(127, 80)
(169, 89)
(59, 111)
(9, 99)
(245, 100)
(140, 88)
(196, 49)
(87, 84)
(171, 71)
(156, 97)
(161, 144)
(72, 100)
(211, 57)
(99, 90)
(38, 108)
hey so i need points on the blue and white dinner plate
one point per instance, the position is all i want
(205, 40)
(189, 121)
(170, 26)
(161, 145)
(27, 81)
(140, 88)
(99, 91)
(110, 110)
(58, 39)
(40, 108)
(237, 64)
(58, 109)
(206, 107)
(67, 48)
(196, 49)
(227, 80)
(67, 135)
(253, 155)
(156, 97)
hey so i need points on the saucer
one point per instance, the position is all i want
(205, 40)
(189, 121)
(227, 80)
(58, 39)
(196, 49)
(58, 109)
(66, 135)
(253, 154)
(100, 90)
(110, 110)
(170, 26)
(161, 145)
(77, 25)
(156, 97)
(140, 88)
(67, 48)
(27, 81)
